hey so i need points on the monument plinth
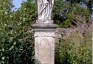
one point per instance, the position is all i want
(44, 43)
(44, 33)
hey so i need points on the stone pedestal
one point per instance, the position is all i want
(44, 43)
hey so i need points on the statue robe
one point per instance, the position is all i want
(45, 9)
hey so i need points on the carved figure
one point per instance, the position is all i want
(45, 9)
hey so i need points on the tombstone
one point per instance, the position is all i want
(44, 33)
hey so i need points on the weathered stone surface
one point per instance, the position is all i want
(45, 10)
(44, 47)
(44, 42)
(44, 21)
(44, 33)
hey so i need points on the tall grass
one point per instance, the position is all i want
(76, 49)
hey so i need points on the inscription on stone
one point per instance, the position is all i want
(45, 51)
(44, 47)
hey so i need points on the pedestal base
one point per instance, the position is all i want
(44, 43)
(44, 21)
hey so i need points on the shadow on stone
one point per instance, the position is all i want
(37, 61)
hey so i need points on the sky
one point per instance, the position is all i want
(17, 3)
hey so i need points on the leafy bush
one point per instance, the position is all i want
(17, 50)
(16, 42)
(76, 49)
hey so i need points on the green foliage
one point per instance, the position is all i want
(17, 50)
(65, 13)
(16, 42)
(76, 49)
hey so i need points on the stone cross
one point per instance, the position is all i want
(44, 33)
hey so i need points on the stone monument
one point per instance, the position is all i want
(44, 33)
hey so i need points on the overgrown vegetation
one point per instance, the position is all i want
(76, 49)
(17, 42)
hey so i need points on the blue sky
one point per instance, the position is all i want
(17, 3)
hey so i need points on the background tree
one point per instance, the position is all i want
(16, 42)
(66, 13)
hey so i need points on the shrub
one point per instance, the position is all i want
(74, 50)
(17, 50)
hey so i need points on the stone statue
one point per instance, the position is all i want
(44, 10)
